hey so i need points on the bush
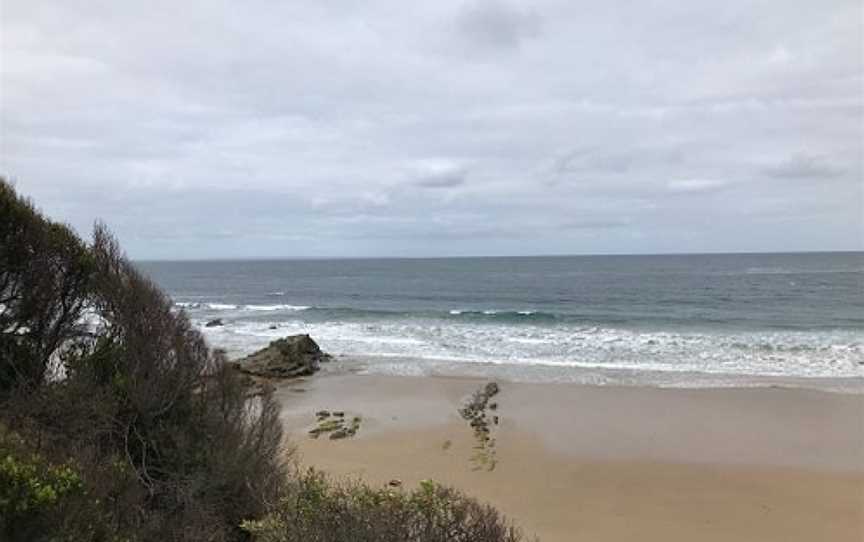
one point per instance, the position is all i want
(41, 500)
(29, 486)
(317, 510)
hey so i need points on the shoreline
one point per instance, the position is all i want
(589, 376)
(608, 463)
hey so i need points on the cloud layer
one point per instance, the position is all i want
(262, 129)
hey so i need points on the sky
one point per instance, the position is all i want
(265, 129)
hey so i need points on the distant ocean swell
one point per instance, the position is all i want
(348, 312)
(217, 309)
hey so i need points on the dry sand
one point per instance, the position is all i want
(602, 463)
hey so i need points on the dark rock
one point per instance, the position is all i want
(323, 414)
(474, 412)
(491, 389)
(215, 323)
(395, 482)
(274, 326)
(294, 356)
(338, 414)
(339, 433)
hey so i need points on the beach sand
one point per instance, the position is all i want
(603, 463)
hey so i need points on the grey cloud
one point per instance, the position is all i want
(592, 160)
(596, 224)
(308, 129)
(443, 181)
(804, 166)
(494, 24)
(439, 233)
(621, 164)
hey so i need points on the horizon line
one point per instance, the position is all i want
(477, 257)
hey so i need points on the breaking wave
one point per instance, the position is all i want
(783, 354)
(195, 306)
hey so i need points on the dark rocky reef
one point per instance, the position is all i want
(474, 412)
(337, 426)
(291, 357)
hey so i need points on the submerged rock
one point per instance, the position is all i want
(293, 356)
(215, 323)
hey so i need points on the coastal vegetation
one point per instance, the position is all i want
(118, 422)
(317, 509)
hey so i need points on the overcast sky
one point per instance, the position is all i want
(302, 129)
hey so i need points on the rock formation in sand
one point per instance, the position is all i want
(293, 356)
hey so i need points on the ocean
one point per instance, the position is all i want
(671, 320)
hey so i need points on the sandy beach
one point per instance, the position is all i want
(608, 463)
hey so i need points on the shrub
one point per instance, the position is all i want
(41, 500)
(315, 509)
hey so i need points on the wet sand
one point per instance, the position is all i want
(602, 463)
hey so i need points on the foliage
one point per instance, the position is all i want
(30, 485)
(316, 509)
(41, 500)
(45, 271)
(98, 371)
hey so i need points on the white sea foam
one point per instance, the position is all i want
(270, 308)
(837, 354)
(491, 312)
(221, 306)
(234, 307)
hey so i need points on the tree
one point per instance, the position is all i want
(163, 434)
(45, 271)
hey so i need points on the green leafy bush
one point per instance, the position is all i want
(316, 509)
(30, 486)
(41, 500)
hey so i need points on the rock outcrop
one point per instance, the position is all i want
(293, 356)
(474, 412)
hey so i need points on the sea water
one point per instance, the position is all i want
(674, 320)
